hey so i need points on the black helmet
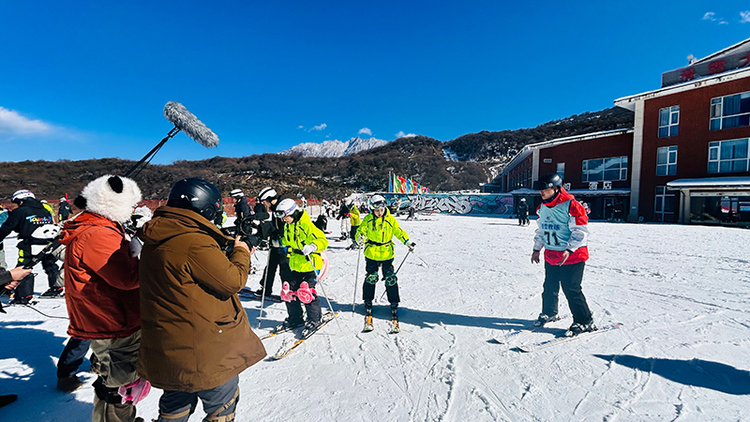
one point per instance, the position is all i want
(548, 181)
(198, 195)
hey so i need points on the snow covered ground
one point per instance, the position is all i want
(682, 294)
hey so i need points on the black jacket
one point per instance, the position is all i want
(242, 209)
(65, 210)
(25, 219)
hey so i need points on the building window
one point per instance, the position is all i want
(728, 156)
(730, 111)
(664, 204)
(561, 170)
(614, 168)
(666, 161)
(669, 121)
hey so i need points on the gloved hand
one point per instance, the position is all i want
(135, 247)
(410, 245)
(360, 240)
(135, 391)
(308, 249)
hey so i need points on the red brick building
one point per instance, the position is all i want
(685, 160)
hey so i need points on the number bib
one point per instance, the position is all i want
(554, 224)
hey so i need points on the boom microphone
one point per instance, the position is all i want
(188, 123)
(185, 121)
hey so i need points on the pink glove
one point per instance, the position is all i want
(135, 391)
(305, 294)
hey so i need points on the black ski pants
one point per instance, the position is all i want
(294, 308)
(277, 258)
(368, 289)
(72, 357)
(569, 277)
(49, 263)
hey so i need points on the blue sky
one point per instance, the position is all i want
(89, 79)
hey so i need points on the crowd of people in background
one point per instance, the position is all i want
(140, 288)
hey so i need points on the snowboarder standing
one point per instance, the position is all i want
(306, 243)
(523, 212)
(377, 232)
(562, 231)
(64, 211)
(346, 225)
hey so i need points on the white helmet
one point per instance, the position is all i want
(377, 202)
(267, 194)
(523, 199)
(285, 208)
(20, 195)
(236, 193)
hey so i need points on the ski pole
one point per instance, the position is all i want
(322, 289)
(317, 279)
(397, 270)
(263, 293)
(356, 277)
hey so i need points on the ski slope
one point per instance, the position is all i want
(681, 293)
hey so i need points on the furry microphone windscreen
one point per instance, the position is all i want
(188, 123)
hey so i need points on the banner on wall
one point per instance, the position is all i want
(497, 205)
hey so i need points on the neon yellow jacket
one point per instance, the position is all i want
(378, 234)
(298, 234)
(354, 215)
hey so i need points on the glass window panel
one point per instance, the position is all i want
(675, 118)
(669, 204)
(660, 190)
(716, 110)
(611, 163)
(744, 104)
(744, 120)
(623, 174)
(731, 105)
(715, 124)
(672, 169)
(585, 165)
(596, 164)
(673, 130)
(663, 131)
(729, 122)
(661, 170)
(740, 149)
(672, 156)
(663, 117)
(658, 204)
(661, 156)
(713, 167)
(725, 166)
(612, 174)
(739, 165)
(624, 160)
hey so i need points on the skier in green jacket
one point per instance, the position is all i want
(376, 232)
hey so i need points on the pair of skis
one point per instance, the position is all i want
(285, 351)
(534, 346)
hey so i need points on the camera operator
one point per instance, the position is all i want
(273, 230)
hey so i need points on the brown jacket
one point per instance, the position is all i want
(195, 334)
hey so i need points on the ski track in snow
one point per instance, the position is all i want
(681, 354)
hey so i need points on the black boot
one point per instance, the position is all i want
(394, 311)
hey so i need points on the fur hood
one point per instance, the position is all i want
(112, 197)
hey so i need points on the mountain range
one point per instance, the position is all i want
(334, 148)
(458, 164)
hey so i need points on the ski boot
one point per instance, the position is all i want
(578, 328)
(394, 319)
(543, 319)
(53, 292)
(311, 327)
(368, 317)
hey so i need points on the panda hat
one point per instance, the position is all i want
(112, 197)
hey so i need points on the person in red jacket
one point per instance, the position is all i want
(101, 291)
(563, 232)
